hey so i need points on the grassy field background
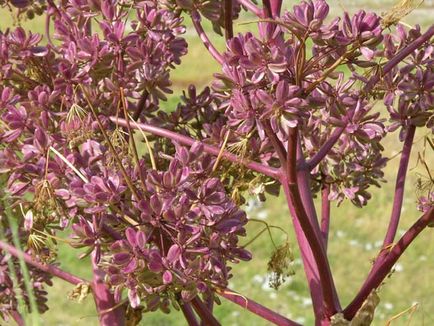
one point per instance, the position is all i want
(355, 238)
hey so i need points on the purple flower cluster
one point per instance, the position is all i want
(261, 86)
(409, 88)
(165, 226)
(186, 228)
(184, 231)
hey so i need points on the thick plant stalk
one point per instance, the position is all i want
(50, 269)
(205, 315)
(104, 299)
(256, 308)
(320, 259)
(209, 302)
(387, 263)
(290, 186)
(303, 176)
(229, 27)
(276, 7)
(309, 264)
(195, 18)
(303, 181)
(267, 8)
(314, 257)
(184, 140)
(189, 314)
(399, 187)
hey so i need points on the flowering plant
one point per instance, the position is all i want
(292, 108)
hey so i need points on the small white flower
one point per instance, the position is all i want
(340, 234)
(388, 306)
(262, 214)
(369, 246)
(398, 267)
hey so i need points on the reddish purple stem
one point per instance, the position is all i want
(399, 187)
(189, 314)
(17, 317)
(290, 184)
(104, 300)
(229, 28)
(141, 105)
(257, 308)
(384, 268)
(50, 269)
(196, 19)
(303, 178)
(184, 140)
(205, 315)
(276, 7)
(328, 145)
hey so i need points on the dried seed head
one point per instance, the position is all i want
(399, 11)
(279, 265)
(80, 292)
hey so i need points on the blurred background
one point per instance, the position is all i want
(355, 237)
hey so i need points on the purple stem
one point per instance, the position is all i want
(229, 27)
(399, 187)
(387, 263)
(252, 7)
(104, 299)
(276, 7)
(189, 314)
(295, 203)
(267, 12)
(17, 317)
(257, 308)
(276, 143)
(303, 178)
(209, 301)
(310, 266)
(195, 17)
(325, 214)
(47, 31)
(141, 105)
(205, 315)
(397, 203)
(328, 145)
(50, 269)
(184, 140)
(316, 264)
(307, 199)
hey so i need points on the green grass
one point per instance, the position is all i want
(355, 237)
